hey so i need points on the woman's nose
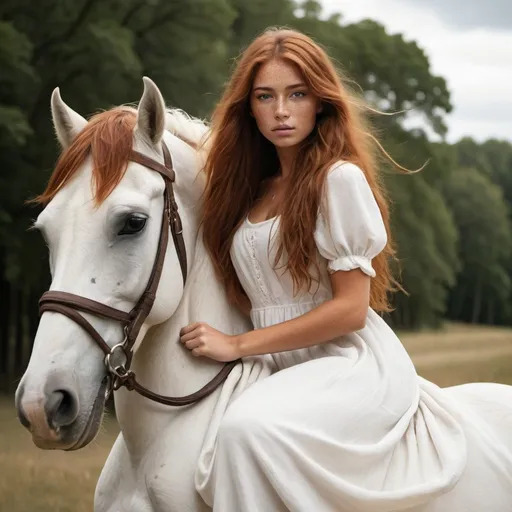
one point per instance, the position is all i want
(282, 111)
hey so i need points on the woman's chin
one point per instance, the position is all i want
(286, 142)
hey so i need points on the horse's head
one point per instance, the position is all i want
(102, 223)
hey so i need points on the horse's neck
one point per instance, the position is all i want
(162, 357)
(204, 300)
(162, 363)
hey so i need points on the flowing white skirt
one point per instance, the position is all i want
(347, 426)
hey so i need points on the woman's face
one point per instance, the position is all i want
(283, 106)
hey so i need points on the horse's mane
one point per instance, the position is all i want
(189, 129)
(107, 139)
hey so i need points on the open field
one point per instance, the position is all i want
(31, 479)
(460, 353)
(35, 480)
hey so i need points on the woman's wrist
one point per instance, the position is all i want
(241, 345)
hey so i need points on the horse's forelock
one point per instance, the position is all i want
(108, 139)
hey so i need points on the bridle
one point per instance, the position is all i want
(118, 359)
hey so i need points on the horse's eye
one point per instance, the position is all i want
(134, 223)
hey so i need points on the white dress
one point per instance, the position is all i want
(344, 425)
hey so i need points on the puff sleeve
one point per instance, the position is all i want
(350, 230)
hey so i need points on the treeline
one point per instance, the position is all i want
(452, 221)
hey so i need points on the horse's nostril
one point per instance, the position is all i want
(22, 417)
(19, 409)
(61, 408)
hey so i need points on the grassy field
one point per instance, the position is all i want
(31, 479)
(36, 480)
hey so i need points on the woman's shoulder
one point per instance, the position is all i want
(344, 172)
(344, 168)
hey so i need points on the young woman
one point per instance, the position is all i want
(296, 221)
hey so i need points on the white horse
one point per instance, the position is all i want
(163, 458)
(154, 462)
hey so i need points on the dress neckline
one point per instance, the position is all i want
(261, 223)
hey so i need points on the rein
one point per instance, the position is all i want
(118, 359)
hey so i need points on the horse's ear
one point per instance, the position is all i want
(67, 123)
(151, 113)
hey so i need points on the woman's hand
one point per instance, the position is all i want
(204, 340)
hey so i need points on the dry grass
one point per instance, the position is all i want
(31, 479)
(461, 353)
(37, 480)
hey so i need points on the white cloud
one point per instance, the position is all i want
(476, 63)
(461, 14)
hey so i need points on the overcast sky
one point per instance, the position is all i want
(468, 42)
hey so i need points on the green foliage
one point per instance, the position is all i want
(485, 294)
(426, 239)
(14, 127)
(253, 17)
(498, 154)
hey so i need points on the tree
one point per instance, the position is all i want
(425, 232)
(492, 159)
(485, 246)
(254, 17)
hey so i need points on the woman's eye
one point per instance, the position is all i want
(133, 224)
(263, 96)
(301, 94)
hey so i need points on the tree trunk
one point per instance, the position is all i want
(20, 335)
(490, 312)
(4, 324)
(27, 335)
(477, 302)
(12, 336)
(459, 297)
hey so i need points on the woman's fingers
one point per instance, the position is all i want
(190, 336)
(193, 343)
(189, 328)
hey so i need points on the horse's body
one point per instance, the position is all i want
(163, 457)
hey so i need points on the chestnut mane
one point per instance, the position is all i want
(107, 139)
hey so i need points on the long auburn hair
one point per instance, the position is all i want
(239, 159)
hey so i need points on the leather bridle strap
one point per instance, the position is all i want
(84, 304)
(46, 304)
(170, 207)
(132, 384)
(69, 304)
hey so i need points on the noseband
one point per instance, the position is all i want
(118, 359)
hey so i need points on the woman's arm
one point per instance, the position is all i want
(349, 233)
(345, 313)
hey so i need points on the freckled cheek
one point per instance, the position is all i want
(264, 118)
(306, 110)
(305, 119)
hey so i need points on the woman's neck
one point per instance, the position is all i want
(286, 159)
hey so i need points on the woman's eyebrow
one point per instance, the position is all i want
(265, 88)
